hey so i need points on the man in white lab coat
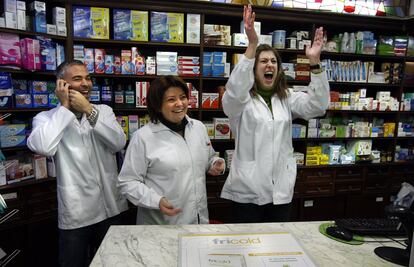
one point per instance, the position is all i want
(83, 139)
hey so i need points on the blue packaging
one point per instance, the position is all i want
(109, 64)
(23, 100)
(82, 26)
(5, 102)
(47, 53)
(122, 24)
(53, 100)
(19, 86)
(40, 100)
(5, 80)
(38, 87)
(159, 27)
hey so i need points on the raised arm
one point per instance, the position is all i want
(316, 101)
(242, 77)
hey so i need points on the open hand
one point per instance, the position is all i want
(313, 51)
(248, 19)
(168, 209)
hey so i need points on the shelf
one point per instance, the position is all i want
(27, 182)
(132, 43)
(128, 76)
(22, 71)
(361, 111)
(23, 110)
(363, 56)
(33, 34)
(15, 148)
(353, 84)
(356, 165)
(322, 139)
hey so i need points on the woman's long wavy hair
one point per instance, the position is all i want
(280, 86)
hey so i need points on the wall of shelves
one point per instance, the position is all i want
(321, 192)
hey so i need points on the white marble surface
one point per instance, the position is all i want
(153, 245)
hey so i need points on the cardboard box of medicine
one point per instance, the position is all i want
(12, 129)
(40, 100)
(193, 28)
(221, 128)
(23, 100)
(12, 141)
(40, 167)
(210, 129)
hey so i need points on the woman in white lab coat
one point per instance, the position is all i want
(261, 109)
(164, 171)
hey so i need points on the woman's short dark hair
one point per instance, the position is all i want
(61, 69)
(156, 93)
(280, 87)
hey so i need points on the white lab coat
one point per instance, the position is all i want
(161, 163)
(263, 169)
(85, 163)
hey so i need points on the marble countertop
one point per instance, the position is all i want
(154, 245)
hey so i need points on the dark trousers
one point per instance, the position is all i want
(252, 213)
(78, 246)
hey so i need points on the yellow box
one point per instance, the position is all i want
(139, 23)
(100, 22)
(175, 27)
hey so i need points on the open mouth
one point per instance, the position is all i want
(268, 76)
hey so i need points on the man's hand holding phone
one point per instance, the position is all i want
(62, 92)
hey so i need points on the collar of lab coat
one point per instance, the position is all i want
(158, 127)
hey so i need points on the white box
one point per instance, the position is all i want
(59, 16)
(9, 6)
(51, 29)
(383, 96)
(193, 28)
(38, 6)
(61, 31)
(21, 20)
(20, 5)
(240, 39)
(11, 21)
(265, 39)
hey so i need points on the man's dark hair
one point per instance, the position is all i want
(61, 69)
(156, 93)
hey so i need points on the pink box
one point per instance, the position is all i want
(30, 54)
(10, 49)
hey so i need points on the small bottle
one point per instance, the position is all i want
(129, 96)
(106, 93)
(345, 43)
(119, 96)
(95, 95)
(352, 43)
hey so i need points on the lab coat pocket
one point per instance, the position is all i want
(243, 180)
(288, 178)
(69, 204)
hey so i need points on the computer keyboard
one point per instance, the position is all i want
(372, 226)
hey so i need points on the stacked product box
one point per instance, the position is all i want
(40, 94)
(10, 13)
(210, 128)
(133, 125)
(6, 90)
(167, 63)
(188, 66)
(215, 64)
(167, 27)
(31, 58)
(12, 135)
(130, 25)
(138, 60)
(59, 20)
(313, 154)
(91, 22)
(38, 10)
